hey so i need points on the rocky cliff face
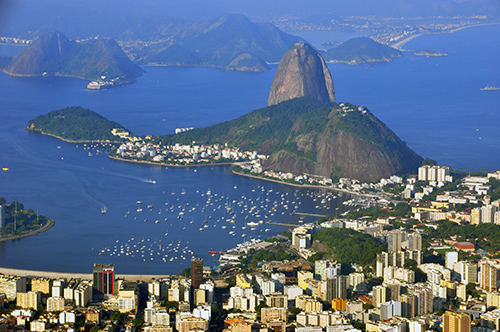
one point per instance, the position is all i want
(346, 151)
(302, 72)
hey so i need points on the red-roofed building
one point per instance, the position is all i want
(465, 246)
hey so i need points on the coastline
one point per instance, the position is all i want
(311, 186)
(172, 165)
(399, 44)
(69, 140)
(69, 275)
(38, 231)
(116, 84)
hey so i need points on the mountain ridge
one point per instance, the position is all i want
(53, 54)
(231, 42)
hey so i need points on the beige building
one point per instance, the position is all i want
(277, 300)
(192, 323)
(11, 285)
(127, 296)
(270, 314)
(55, 304)
(30, 300)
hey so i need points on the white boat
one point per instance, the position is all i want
(490, 88)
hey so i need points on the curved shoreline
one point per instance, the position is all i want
(399, 44)
(311, 186)
(34, 232)
(69, 140)
(172, 165)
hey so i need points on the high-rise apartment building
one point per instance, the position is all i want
(489, 275)
(104, 281)
(456, 322)
(196, 272)
(336, 288)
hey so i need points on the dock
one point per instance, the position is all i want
(281, 224)
(307, 214)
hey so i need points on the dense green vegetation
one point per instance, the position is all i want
(281, 127)
(54, 54)
(25, 220)
(349, 246)
(272, 255)
(484, 236)
(361, 50)
(76, 123)
(494, 192)
(367, 128)
(266, 129)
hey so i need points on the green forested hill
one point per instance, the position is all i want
(303, 135)
(75, 124)
(349, 246)
(361, 50)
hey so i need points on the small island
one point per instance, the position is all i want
(17, 222)
(361, 50)
(430, 53)
(78, 125)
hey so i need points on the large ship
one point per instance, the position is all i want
(490, 88)
(94, 85)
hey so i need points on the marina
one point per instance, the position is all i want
(233, 214)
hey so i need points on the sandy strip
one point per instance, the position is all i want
(87, 276)
(400, 43)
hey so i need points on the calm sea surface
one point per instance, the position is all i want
(434, 104)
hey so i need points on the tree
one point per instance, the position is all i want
(186, 272)
(138, 322)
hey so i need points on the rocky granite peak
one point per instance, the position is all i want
(302, 72)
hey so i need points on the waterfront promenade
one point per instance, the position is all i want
(68, 275)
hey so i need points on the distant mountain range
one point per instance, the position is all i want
(53, 54)
(157, 19)
(361, 50)
(231, 42)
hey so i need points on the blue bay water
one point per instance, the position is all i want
(434, 104)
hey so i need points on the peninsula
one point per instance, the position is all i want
(361, 50)
(77, 124)
(53, 54)
(17, 222)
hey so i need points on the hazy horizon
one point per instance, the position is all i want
(92, 17)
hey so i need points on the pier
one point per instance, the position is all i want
(307, 214)
(281, 224)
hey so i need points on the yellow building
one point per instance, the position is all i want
(456, 322)
(42, 285)
(339, 304)
(242, 280)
